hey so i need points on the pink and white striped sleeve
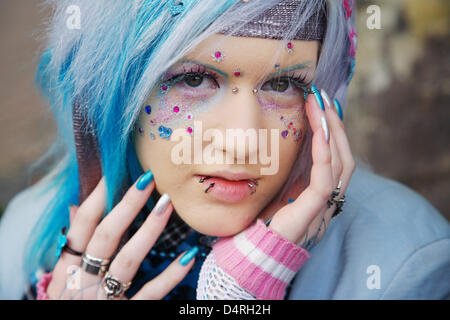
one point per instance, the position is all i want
(258, 260)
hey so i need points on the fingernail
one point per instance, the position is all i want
(325, 129)
(268, 221)
(291, 200)
(188, 256)
(337, 105)
(326, 98)
(161, 204)
(318, 97)
(145, 180)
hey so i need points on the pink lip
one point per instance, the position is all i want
(228, 187)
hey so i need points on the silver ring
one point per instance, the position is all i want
(113, 287)
(334, 194)
(95, 266)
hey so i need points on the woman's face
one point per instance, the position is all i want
(207, 101)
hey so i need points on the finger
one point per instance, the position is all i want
(336, 162)
(72, 212)
(83, 220)
(107, 235)
(127, 261)
(160, 286)
(343, 145)
(87, 218)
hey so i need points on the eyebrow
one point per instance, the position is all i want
(302, 65)
(207, 66)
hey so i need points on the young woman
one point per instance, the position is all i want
(202, 154)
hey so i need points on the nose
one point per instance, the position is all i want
(239, 121)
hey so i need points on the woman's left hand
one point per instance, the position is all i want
(332, 163)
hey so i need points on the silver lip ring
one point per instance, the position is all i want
(95, 266)
(113, 287)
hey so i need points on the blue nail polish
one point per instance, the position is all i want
(338, 107)
(188, 256)
(291, 200)
(318, 97)
(145, 180)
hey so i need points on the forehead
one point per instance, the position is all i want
(255, 55)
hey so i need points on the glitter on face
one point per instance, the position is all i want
(291, 128)
(141, 131)
(164, 132)
(189, 129)
(218, 56)
(176, 109)
(237, 73)
(148, 109)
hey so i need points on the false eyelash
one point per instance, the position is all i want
(196, 70)
(299, 80)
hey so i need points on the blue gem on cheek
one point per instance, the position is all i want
(148, 109)
(164, 132)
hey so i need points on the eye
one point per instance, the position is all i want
(193, 80)
(279, 85)
(284, 84)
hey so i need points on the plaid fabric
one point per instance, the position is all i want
(175, 232)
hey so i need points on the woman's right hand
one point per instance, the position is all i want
(100, 238)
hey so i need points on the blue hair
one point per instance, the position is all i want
(113, 62)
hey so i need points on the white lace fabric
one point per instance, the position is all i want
(215, 284)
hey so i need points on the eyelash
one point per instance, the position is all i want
(199, 70)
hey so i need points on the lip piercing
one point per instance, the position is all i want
(203, 179)
(254, 181)
(209, 187)
(252, 187)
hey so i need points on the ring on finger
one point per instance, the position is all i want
(334, 194)
(63, 246)
(339, 204)
(95, 266)
(113, 287)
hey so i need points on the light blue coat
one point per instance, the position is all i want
(388, 243)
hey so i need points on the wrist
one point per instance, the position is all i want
(260, 260)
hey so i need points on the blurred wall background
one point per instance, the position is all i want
(397, 117)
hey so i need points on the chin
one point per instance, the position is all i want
(219, 222)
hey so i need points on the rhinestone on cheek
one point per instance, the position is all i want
(284, 133)
(189, 129)
(176, 109)
(148, 109)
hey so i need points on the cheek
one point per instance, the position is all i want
(174, 109)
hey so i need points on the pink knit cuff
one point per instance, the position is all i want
(260, 260)
(41, 286)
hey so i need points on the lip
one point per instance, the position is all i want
(228, 186)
